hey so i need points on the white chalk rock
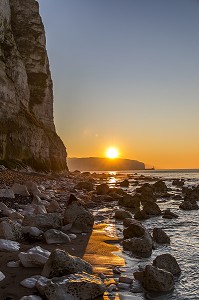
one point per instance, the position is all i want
(30, 283)
(8, 246)
(20, 189)
(34, 257)
(7, 193)
(53, 236)
(2, 276)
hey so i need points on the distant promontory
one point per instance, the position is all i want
(104, 164)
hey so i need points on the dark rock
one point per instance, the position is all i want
(102, 189)
(168, 263)
(122, 214)
(141, 215)
(160, 237)
(130, 201)
(169, 214)
(124, 183)
(85, 185)
(187, 205)
(151, 208)
(160, 186)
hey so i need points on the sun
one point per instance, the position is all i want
(112, 152)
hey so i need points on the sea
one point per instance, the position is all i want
(183, 231)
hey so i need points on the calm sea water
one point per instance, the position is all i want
(184, 234)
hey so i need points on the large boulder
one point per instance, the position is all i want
(130, 201)
(20, 189)
(43, 221)
(160, 186)
(124, 183)
(102, 189)
(76, 286)
(152, 209)
(84, 185)
(53, 236)
(34, 257)
(167, 262)
(168, 214)
(137, 239)
(122, 214)
(61, 263)
(160, 237)
(189, 205)
(157, 280)
(10, 230)
(146, 193)
(7, 193)
(75, 213)
(9, 246)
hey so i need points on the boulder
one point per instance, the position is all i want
(160, 237)
(102, 189)
(76, 286)
(130, 201)
(7, 193)
(139, 241)
(34, 257)
(30, 282)
(157, 280)
(122, 214)
(160, 186)
(169, 214)
(167, 262)
(20, 189)
(61, 263)
(10, 230)
(188, 205)
(32, 231)
(178, 182)
(8, 246)
(81, 218)
(2, 276)
(84, 185)
(43, 221)
(53, 236)
(151, 208)
(146, 193)
(124, 183)
(141, 215)
(53, 207)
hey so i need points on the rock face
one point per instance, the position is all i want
(27, 131)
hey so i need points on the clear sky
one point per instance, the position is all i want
(126, 74)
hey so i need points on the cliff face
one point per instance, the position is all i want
(27, 131)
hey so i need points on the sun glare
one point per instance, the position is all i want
(112, 153)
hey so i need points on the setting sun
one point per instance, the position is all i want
(112, 152)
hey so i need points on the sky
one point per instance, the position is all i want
(126, 74)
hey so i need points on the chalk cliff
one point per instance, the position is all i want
(27, 131)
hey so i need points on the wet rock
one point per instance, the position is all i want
(167, 262)
(8, 246)
(75, 286)
(157, 280)
(127, 222)
(138, 240)
(122, 214)
(10, 230)
(125, 279)
(124, 183)
(151, 208)
(130, 201)
(146, 193)
(102, 189)
(85, 185)
(123, 286)
(7, 193)
(43, 221)
(187, 205)
(2, 276)
(178, 182)
(160, 237)
(81, 218)
(61, 263)
(160, 186)
(169, 214)
(34, 257)
(141, 215)
(53, 236)
(20, 189)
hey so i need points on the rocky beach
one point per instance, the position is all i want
(81, 235)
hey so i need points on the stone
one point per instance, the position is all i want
(124, 183)
(9, 246)
(61, 263)
(188, 205)
(123, 286)
(157, 280)
(53, 207)
(73, 236)
(167, 262)
(125, 279)
(20, 189)
(81, 218)
(7, 193)
(84, 185)
(10, 230)
(160, 237)
(27, 130)
(160, 186)
(102, 189)
(141, 215)
(67, 227)
(73, 287)
(169, 214)
(178, 182)
(53, 236)
(122, 214)
(13, 264)
(130, 201)
(31, 297)
(34, 257)
(151, 208)
(135, 229)
(43, 221)
(30, 283)
(2, 276)
(32, 231)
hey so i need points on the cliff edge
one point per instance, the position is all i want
(27, 131)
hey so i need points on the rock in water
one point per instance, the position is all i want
(160, 237)
(78, 286)
(167, 262)
(61, 263)
(27, 130)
